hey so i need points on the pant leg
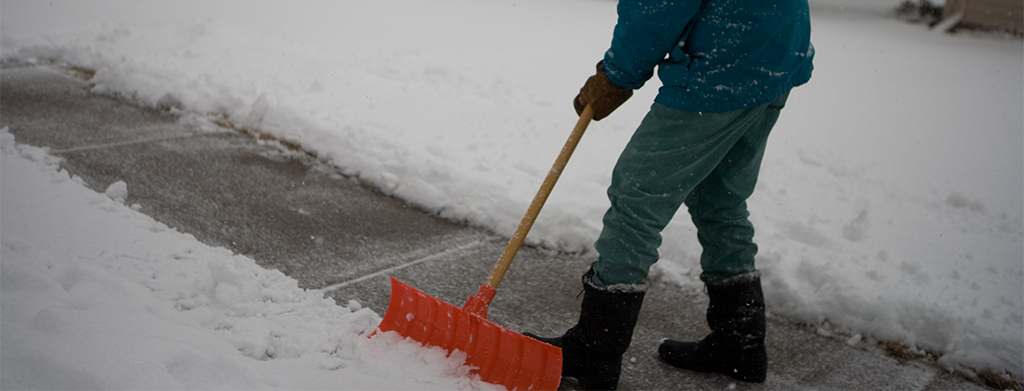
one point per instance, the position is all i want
(718, 204)
(671, 153)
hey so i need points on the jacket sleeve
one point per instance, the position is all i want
(645, 33)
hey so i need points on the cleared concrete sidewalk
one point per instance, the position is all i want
(290, 212)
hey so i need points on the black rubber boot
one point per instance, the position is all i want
(735, 346)
(592, 349)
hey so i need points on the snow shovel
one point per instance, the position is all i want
(498, 355)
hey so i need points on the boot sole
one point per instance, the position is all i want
(753, 375)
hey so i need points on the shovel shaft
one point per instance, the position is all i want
(499, 355)
(538, 201)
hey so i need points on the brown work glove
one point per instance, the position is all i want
(601, 94)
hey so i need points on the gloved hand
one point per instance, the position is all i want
(601, 94)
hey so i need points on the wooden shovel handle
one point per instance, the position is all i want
(538, 201)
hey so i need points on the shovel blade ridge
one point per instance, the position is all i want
(498, 355)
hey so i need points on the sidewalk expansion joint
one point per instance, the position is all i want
(465, 247)
(132, 142)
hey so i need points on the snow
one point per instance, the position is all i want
(890, 203)
(96, 295)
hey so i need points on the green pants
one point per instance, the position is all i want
(710, 162)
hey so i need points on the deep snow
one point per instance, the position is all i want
(889, 206)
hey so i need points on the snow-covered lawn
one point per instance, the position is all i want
(890, 203)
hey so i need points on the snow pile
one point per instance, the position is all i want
(890, 203)
(98, 296)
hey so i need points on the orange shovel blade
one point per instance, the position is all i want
(498, 355)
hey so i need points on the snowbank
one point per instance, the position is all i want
(96, 295)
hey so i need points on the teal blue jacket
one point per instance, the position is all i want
(712, 55)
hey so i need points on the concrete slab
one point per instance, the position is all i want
(277, 206)
(64, 115)
(290, 212)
